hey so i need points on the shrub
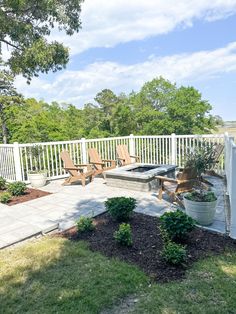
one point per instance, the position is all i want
(5, 197)
(16, 188)
(174, 253)
(201, 196)
(124, 236)
(85, 224)
(120, 208)
(2, 183)
(176, 224)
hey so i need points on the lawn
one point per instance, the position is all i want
(56, 275)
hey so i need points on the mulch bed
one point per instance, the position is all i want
(147, 245)
(30, 194)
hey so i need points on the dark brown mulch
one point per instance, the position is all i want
(147, 245)
(30, 194)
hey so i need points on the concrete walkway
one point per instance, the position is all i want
(61, 209)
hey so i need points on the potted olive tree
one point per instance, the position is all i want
(36, 176)
(200, 204)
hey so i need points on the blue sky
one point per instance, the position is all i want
(122, 45)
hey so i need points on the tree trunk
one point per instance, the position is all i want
(3, 125)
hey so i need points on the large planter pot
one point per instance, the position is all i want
(202, 212)
(37, 180)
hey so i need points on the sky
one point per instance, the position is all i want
(123, 44)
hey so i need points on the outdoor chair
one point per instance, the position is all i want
(76, 171)
(184, 182)
(98, 163)
(124, 157)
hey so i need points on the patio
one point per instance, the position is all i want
(66, 204)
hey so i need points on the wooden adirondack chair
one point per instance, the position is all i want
(98, 163)
(76, 171)
(219, 148)
(123, 155)
(173, 187)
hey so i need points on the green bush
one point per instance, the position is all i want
(5, 197)
(120, 208)
(201, 196)
(16, 188)
(174, 253)
(176, 225)
(124, 235)
(85, 224)
(2, 183)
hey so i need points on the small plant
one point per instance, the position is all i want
(176, 225)
(36, 151)
(2, 183)
(5, 197)
(124, 235)
(16, 188)
(85, 224)
(174, 253)
(198, 196)
(120, 208)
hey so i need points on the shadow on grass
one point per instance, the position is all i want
(54, 275)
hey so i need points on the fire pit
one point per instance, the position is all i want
(139, 177)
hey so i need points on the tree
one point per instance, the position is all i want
(8, 97)
(25, 26)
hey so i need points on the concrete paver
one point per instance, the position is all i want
(68, 203)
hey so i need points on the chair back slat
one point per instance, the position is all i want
(122, 152)
(94, 157)
(68, 163)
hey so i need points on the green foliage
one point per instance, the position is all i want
(199, 196)
(16, 188)
(158, 108)
(176, 225)
(2, 183)
(124, 235)
(174, 253)
(85, 224)
(120, 208)
(25, 27)
(5, 197)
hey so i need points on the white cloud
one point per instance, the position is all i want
(81, 86)
(108, 23)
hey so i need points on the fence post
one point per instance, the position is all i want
(232, 193)
(131, 145)
(173, 148)
(84, 153)
(16, 154)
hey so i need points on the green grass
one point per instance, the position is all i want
(210, 288)
(55, 275)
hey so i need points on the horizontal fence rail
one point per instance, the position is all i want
(16, 160)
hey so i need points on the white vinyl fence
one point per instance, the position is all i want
(16, 159)
(230, 172)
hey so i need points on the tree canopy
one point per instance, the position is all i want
(159, 108)
(25, 27)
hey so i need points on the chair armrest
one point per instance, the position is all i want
(71, 168)
(120, 158)
(166, 179)
(97, 163)
(132, 156)
(108, 160)
(83, 165)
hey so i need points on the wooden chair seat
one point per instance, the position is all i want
(76, 171)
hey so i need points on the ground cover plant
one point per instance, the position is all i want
(54, 275)
(147, 245)
(120, 208)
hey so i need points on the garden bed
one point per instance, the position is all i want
(147, 245)
(30, 194)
